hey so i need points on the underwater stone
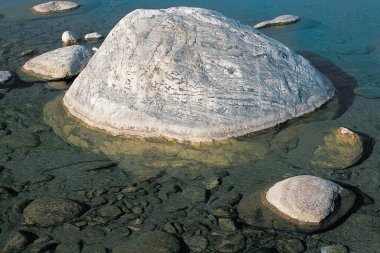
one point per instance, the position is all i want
(301, 203)
(54, 7)
(342, 148)
(280, 20)
(69, 38)
(5, 76)
(61, 63)
(195, 76)
(368, 92)
(337, 248)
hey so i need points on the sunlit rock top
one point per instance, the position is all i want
(193, 75)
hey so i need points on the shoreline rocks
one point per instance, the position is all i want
(69, 38)
(61, 63)
(54, 7)
(278, 21)
(302, 203)
(174, 88)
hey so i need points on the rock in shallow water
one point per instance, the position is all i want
(61, 63)
(5, 76)
(302, 203)
(93, 36)
(206, 77)
(69, 38)
(342, 148)
(280, 20)
(368, 92)
(54, 7)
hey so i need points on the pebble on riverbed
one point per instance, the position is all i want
(302, 203)
(280, 20)
(54, 7)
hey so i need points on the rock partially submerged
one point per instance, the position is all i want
(302, 203)
(69, 38)
(5, 76)
(61, 63)
(93, 36)
(54, 7)
(342, 148)
(280, 20)
(209, 78)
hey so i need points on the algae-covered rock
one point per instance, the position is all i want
(342, 148)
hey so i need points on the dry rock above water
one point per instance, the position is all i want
(54, 7)
(47, 212)
(342, 148)
(61, 63)
(204, 78)
(301, 203)
(280, 20)
(69, 38)
(5, 76)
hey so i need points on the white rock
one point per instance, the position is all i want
(61, 63)
(54, 7)
(5, 76)
(280, 20)
(69, 38)
(304, 198)
(192, 74)
(95, 49)
(93, 36)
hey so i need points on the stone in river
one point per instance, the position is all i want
(280, 20)
(54, 7)
(69, 38)
(193, 75)
(342, 148)
(5, 76)
(61, 63)
(337, 248)
(301, 203)
(368, 92)
(47, 212)
(93, 36)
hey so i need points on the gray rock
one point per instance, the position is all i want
(337, 248)
(280, 20)
(210, 78)
(68, 247)
(54, 7)
(61, 63)
(5, 76)
(150, 242)
(302, 203)
(46, 211)
(69, 38)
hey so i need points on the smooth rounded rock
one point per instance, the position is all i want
(61, 63)
(150, 242)
(194, 75)
(69, 38)
(5, 76)
(342, 148)
(301, 203)
(280, 20)
(54, 7)
(93, 36)
(46, 211)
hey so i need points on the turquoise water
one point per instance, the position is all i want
(341, 38)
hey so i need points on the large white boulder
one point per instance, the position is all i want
(193, 75)
(305, 198)
(54, 7)
(61, 63)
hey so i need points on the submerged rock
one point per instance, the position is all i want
(61, 63)
(209, 78)
(301, 203)
(342, 148)
(5, 76)
(151, 242)
(368, 92)
(93, 36)
(46, 212)
(16, 243)
(54, 7)
(337, 248)
(69, 38)
(280, 20)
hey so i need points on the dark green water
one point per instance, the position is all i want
(339, 37)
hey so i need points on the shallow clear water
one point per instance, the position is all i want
(341, 38)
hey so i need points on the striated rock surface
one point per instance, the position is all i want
(54, 7)
(69, 38)
(93, 36)
(5, 76)
(342, 148)
(280, 20)
(61, 63)
(193, 75)
(301, 203)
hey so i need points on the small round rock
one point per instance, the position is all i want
(5, 76)
(69, 38)
(54, 7)
(93, 36)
